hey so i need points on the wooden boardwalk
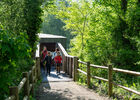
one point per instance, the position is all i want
(54, 77)
(60, 87)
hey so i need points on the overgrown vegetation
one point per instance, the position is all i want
(19, 24)
(105, 32)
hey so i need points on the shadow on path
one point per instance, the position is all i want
(45, 90)
(60, 87)
(53, 76)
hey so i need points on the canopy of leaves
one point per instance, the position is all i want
(19, 24)
(106, 31)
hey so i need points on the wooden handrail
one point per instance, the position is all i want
(21, 84)
(110, 80)
(100, 78)
(26, 83)
(82, 71)
(117, 69)
(76, 69)
(62, 49)
(126, 71)
(128, 89)
(97, 66)
(70, 56)
(82, 62)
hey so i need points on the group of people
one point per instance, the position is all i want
(47, 59)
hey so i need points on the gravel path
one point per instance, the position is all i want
(65, 91)
(60, 87)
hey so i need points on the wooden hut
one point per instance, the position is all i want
(50, 41)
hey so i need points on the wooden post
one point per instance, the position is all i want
(66, 64)
(38, 67)
(26, 85)
(75, 69)
(63, 62)
(14, 91)
(70, 67)
(88, 74)
(35, 74)
(39, 73)
(32, 82)
(110, 80)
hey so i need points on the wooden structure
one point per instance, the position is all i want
(27, 83)
(50, 41)
(71, 67)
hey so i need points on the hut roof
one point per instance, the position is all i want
(42, 35)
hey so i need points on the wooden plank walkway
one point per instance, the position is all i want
(60, 87)
(54, 77)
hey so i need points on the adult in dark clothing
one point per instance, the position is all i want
(48, 60)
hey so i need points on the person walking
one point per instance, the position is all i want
(58, 60)
(43, 55)
(48, 60)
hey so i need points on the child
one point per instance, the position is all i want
(48, 60)
(58, 60)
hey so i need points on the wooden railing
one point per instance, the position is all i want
(27, 83)
(71, 67)
(110, 79)
(68, 61)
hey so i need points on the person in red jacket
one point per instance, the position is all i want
(58, 60)
(44, 52)
(43, 55)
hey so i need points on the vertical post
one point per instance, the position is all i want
(66, 64)
(32, 82)
(26, 85)
(14, 91)
(88, 74)
(35, 74)
(75, 69)
(70, 67)
(63, 62)
(38, 67)
(33, 69)
(110, 80)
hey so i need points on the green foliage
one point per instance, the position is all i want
(32, 16)
(22, 16)
(19, 24)
(105, 32)
(52, 25)
(14, 49)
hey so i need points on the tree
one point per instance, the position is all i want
(19, 24)
(32, 17)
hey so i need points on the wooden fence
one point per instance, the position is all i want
(71, 67)
(109, 80)
(27, 83)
